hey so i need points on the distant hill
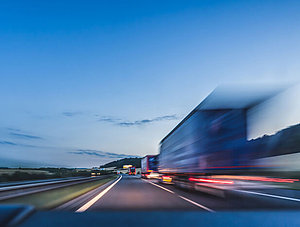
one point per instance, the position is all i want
(125, 161)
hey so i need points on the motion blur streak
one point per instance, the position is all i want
(167, 178)
(95, 199)
(253, 178)
(210, 181)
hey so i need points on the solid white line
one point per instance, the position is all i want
(96, 198)
(186, 199)
(270, 195)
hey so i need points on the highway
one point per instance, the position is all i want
(157, 204)
(133, 193)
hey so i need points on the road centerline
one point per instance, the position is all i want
(96, 198)
(159, 186)
(186, 199)
(196, 204)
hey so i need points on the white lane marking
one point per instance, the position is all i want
(96, 198)
(270, 195)
(186, 199)
(159, 186)
(196, 204)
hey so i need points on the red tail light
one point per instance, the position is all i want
(205, 180)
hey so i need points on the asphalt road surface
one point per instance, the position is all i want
(133, 193)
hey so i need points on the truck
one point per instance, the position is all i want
(212, 141)
(207, 142)
(149, 166)
(132, 170)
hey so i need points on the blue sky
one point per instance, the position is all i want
(84, 81)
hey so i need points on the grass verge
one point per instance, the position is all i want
(55, 197)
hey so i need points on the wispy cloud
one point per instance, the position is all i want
(99, 153)
(84, 152)
(110, 119)
(24, 136)
(14, 129)
(18, 133)
(4, 142)
(91, 153)
(148, 121)
(71, 114)
(9, 143)
(121, 122)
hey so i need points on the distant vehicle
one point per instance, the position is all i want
(132, 170)
(149, 166)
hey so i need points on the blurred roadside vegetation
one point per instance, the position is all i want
(23, 174)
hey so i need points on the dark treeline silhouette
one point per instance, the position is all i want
(286, 141)
(27, 174)
(125, 161)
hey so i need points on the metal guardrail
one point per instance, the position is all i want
(21, 190)
(9, 188)
(15, 183)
